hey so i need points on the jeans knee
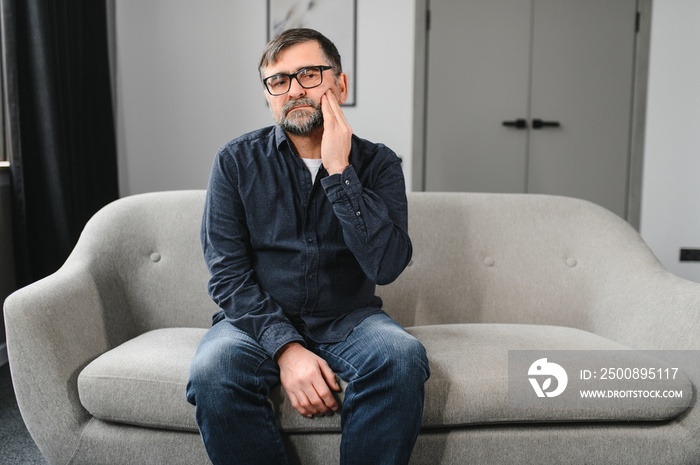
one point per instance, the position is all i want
(202, 378)
(415, 360)
(405, 362)
(215, 367)
(230, 368)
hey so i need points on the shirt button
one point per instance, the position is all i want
(347, 182)
(358, 213)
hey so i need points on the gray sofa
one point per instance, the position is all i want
(99, 351)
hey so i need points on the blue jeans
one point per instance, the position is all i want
(386, 368)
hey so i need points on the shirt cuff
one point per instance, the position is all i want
(345, 183)
(277, 336)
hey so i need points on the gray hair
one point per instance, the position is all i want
(297, 36)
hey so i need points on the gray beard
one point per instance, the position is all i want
(303, 125)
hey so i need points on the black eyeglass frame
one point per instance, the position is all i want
(321, 68)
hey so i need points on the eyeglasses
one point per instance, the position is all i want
(308, 78)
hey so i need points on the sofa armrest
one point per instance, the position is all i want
(650, 309)
(54, 328)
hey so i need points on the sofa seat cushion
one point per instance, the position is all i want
(142, 382)
(472, 380)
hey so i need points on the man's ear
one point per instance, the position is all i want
(343, 87)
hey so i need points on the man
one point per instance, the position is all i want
(301, 221)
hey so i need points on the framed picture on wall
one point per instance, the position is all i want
(336, 19)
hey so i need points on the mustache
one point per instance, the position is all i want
(298, 102)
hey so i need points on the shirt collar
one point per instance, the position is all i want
(281, 137)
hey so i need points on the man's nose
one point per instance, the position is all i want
(296, 90)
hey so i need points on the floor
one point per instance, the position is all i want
(16, 445)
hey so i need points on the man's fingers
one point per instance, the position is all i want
(329, 376)
(300, 406)
(313, 402)
(325, 396)
(329, 383)
(321, 397)
(329, 116)
(332, 109)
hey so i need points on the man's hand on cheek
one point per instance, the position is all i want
(337, 135)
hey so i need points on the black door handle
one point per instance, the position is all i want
(518, 124)
(539, 124)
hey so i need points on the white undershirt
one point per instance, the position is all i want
(313, 164)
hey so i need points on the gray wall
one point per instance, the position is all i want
(186, 83)
(671, 190)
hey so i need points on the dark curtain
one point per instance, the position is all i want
(64, 167)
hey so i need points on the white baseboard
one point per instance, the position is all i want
(3, 354)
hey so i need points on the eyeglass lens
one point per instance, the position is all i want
(307, 78)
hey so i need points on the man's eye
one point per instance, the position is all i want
(277, 81)
(309, 74)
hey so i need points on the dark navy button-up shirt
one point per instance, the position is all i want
(292, 260)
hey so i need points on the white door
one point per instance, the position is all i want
(559, 73)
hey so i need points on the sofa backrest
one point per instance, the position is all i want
(512, 258)
(477, 258)
(144, 253)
